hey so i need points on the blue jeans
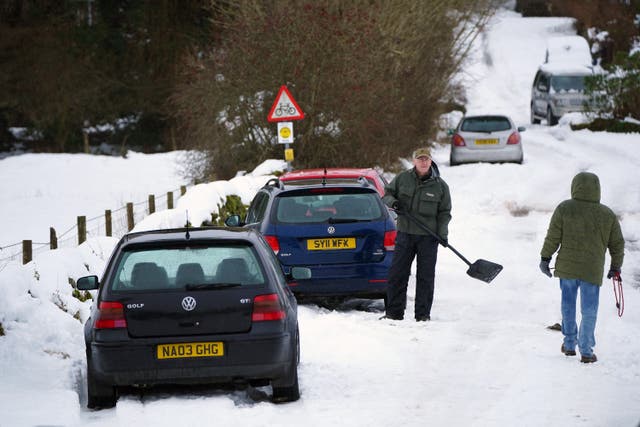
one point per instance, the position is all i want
(589, 299)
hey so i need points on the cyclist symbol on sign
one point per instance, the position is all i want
(285, 108)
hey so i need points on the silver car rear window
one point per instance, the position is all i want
(485, 124)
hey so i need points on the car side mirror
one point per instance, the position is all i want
(233, 221)
(87, 283)
(521, 128)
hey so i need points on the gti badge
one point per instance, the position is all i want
(331, 230)
(188, 303)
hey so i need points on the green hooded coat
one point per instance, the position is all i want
(583, 229)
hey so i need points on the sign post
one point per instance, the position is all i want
(283, 111)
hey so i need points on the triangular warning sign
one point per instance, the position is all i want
(285, 108)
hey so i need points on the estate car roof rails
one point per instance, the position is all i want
(275, 182)
(363, 181)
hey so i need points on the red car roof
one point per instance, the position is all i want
(369, 173)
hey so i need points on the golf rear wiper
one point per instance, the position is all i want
(199, 286)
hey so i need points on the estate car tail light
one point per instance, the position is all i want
(267, 307)
(273, 242)
(390, 240)
(457, 140)
(110, 316)
(514, 138)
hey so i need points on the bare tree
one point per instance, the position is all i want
(372, 77)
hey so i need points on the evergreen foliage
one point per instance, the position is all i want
(232, 206)
(616, 94)
(69, 65)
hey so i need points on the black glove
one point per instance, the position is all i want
(613, 272)
(544, 266)
(445, 243)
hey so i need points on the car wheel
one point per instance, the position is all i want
(452, 162)
(291, 391)
(551, 119)
(534, 120)
(99, 394)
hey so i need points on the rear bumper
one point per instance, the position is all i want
(506, 154)
(357, 280)
(559, 111)
(134, 362)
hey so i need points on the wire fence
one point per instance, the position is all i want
(115, 223)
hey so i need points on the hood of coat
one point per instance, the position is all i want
(586, 187)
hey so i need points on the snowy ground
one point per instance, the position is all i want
(486, 358)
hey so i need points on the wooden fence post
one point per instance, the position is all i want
(107, 223)
(183, 189)
(152, 204)
(82, 229)
(53, 239)
(170, 200)
(27, 251)
(130, 216)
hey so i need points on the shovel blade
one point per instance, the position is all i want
(484, 270)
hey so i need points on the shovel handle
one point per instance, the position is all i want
(438, 238)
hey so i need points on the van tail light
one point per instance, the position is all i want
(110, 316)
(273, 242)
(267, 307)
(514, 138)
(457, 140)
(390, 240)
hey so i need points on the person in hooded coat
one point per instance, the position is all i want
(582, 229)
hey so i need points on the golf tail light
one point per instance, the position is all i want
(390, 240)
(273, 242)
(110, 316)
(514, 138)
(457, 140)
(267, 307)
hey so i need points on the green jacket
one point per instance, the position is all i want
(428, 201)
(584, 229)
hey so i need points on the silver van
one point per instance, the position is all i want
(558, 89)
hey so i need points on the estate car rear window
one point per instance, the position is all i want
(485, 124)
(187, 267)
(330, 205)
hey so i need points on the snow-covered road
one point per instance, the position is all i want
(485, 359)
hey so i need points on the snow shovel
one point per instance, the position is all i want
(481, 269)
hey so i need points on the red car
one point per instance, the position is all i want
(335, 175)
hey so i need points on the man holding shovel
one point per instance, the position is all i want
(423, 194)
(583, 229)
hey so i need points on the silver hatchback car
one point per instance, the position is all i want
(486, 138)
